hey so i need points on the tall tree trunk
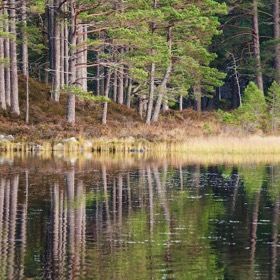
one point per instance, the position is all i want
(56, 52)
(150, 104)
(115, 85)
(13, 56)
(197, 95)
(85, 54)
(2, 68)
(151, 94)
(162, 87)
(79, 55)
(27, 96)
(276, 19)
(105, 105)
(66, 47)
(181, 102)
(120, 81)
(7, 55)
(24, 47)
(24, 57)
(161, 92)
(71, 99)
(62, 47)
(128, 93)
(50, 11)
(256, 42)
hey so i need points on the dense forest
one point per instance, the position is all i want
(150, 55)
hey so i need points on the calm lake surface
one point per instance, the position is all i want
(138, 217)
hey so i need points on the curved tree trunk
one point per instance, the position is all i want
(162, 87)
(151, 94)
(105, 105)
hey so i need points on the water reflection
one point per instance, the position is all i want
(138, 219)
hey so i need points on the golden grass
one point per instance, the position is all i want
(252, 145)
(199, 150)
(224, 145)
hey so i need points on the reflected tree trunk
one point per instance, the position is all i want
(253, 238)
(12, 225)
(24, 227)
(70, 187)
(129, 195)
(235, 192)
(120, 199)
(5, 255)
(151, 197)
(114, 200)
(274, 239)
(106, 198)
(2, 194)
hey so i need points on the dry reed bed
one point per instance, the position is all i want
(206, 146)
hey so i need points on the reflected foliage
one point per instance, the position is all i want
(145, 219)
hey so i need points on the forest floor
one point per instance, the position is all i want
(48, 121)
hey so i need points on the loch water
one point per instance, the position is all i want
(138, 216)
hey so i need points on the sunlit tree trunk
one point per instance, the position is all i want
(128, 93)
(56, 52)
(24, 48)
(120, 81)
(13, 60)
(180, 102)
(151, 94)
(79, 54)
(85, 55)
(162, 87)
(71, 99)
(2, 68)
(7, 55)
(107, 89)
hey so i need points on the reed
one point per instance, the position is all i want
(252, 145)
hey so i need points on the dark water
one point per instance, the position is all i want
(136, 218)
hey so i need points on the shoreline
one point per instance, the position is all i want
(197, 145)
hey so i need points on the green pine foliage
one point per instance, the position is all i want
(252, 114)
(273, 101)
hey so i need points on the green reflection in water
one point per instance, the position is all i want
(142, 218)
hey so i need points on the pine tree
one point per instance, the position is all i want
(273, 100)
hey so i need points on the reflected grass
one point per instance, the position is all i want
(121, 160)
